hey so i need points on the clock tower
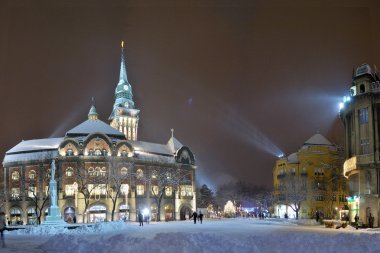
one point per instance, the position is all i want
(124, 116)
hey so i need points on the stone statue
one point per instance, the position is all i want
(53, 169)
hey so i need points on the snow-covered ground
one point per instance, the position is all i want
(226, 235)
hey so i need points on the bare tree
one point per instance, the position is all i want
(117, 179)
(293, 191)
(161, 179)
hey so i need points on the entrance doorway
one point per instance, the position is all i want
(98, 213)
(185, 213)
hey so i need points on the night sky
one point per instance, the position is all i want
(239, 81)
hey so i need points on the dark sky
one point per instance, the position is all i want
(237, 80)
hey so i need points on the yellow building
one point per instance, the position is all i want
(310, 180)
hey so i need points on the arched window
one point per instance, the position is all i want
(140, 173)
(140, 189)
(32, 175)
(124, 153)
(154, 174)
(104, 152)
(90, 152)
(168, 175)
(103, 171)
(69, 172)
(91, 171)
(97, 171)
(124, 171)
(15, 175)
(69, 152)
(98, 152)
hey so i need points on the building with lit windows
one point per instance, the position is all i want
(360, 114)
(103, 170)
(313, 177)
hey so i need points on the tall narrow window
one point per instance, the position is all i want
(363, 116)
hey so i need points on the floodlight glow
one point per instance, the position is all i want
(344, 99)
(348, 99)
(145, 211)
(341, 106)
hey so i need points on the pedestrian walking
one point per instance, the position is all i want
(2, 227)
(194, 216)
(356, 220)
(200, 217)
(147, 217)
(141, 219)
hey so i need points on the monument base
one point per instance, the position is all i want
(54, 218)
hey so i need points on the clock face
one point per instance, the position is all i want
(125, 87)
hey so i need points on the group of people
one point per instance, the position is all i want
(197, 216)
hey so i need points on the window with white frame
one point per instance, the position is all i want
(91, 171)
(140, 189)
(154, 174)
(98, 152)
(124, 188)
(168, 191)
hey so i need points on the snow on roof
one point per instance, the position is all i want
(150, 147)
(293, 158)
(174, 144)
(317, 139)
(35, 145)
(93, 126)
(36, 155)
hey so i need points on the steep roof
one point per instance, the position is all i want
(174, 144)
(293, 158)
(149, 147)
(318, 139)
(94, 126)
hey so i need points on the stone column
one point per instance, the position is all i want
(177, 203)
(132, 206)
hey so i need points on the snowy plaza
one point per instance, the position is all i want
(225, 235)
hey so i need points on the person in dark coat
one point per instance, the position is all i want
(75, 219)
(2, 227)
(200, 217)
(194, 215)
(317, 216)
(141, 219)
(370, 220)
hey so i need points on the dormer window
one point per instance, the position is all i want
(15, 176)
(91, 152)
(124, 153)
(69, 152)
(98, 152)
(32, 175)
(104, 151)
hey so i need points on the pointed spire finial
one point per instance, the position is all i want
(123, 69)
(172, 132)
(93, 114)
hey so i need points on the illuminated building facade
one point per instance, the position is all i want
(102, 170)
(360, 114)
(313, 176)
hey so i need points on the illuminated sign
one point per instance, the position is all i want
(349, 165)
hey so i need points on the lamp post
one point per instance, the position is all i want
(75, 186)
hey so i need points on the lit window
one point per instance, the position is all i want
(124, 171)
(168, 191)
(124, 188)
(91, 152)
(32, 174)
(186, 190)
(124, 153)
(168, 175)
(32, 192)
(15, 193)
(154, 174)
(139, 173)
(140, 189)
(69, 172)
(155, 190)
(103, 171)
(98, 152)
(15, 175)
(69, 190)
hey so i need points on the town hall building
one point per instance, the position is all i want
(104, 172)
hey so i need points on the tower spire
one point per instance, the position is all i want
(123, 70)
(93, 114)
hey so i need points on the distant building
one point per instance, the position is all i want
(101, 161)
(360, 114)
(312, 176)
